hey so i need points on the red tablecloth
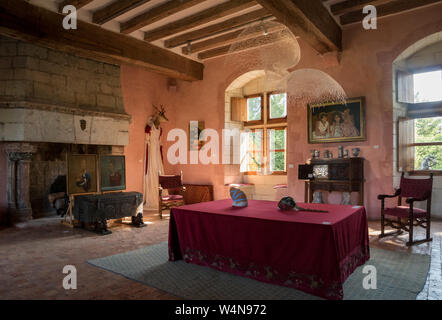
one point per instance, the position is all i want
(309, 251)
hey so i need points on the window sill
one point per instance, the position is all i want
(425, 172)
(253, 123)
(278, 173)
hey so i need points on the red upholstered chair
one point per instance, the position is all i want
(174, 186)
(408, 217)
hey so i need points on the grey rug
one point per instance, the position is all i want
(400, 276)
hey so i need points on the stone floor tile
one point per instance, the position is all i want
(33, 257)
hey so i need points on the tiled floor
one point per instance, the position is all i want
(433, 285)
(32, 257)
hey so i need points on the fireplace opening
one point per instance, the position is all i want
(48, 170)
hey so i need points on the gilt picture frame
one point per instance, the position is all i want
(82, 174)
(336, 121)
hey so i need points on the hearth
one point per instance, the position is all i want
(52, 104)
(34, 173)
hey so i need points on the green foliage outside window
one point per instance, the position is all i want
(428, 130)
(278, 105)
(254, 109)
(277, 142)
(278, 161)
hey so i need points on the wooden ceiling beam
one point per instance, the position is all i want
(308, 19)
(115, 9)
(352, 5)
(213, 29)
(22, 20)
(392, 7)
(78, 4)
(244, 45)
(231, 37)
(156, 14)
(200, 18)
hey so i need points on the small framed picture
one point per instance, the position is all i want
(195, 138)
(337, 122)
(112, 173)
(82, 174)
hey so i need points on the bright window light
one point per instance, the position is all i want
(427, 86)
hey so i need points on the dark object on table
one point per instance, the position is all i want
(239, 198)
(344, 175)
(414, 190)
(286, 203)
(97, 209)
(174, 185)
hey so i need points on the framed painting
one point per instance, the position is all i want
(112, 173)
(195, 139)
(336, 121)
(82, 173)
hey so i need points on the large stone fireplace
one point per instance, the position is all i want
(51, 104)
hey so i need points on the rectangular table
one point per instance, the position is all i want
(310, 251)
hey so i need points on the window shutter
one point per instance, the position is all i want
(405, 87)
(405, 138)
(238, 109)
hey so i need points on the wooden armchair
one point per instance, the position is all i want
(174, 185)
(413, 190)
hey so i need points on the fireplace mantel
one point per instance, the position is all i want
(23, 121)
(51, 96)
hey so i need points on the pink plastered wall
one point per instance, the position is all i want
(141, 89)
(365, 69)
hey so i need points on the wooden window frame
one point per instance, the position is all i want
(254, 152)
(275, 120)
(405, 83)
(401, 151)
(266, 124)
(415, 110)
(255, 122)
(277, 150)
(425, 172)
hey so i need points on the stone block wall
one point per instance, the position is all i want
(36, 74)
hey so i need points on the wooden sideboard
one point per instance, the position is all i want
(342, 174)
(196, 193)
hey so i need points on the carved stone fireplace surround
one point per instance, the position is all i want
(19, 159)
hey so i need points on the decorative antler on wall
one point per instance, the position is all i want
(159, 116)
